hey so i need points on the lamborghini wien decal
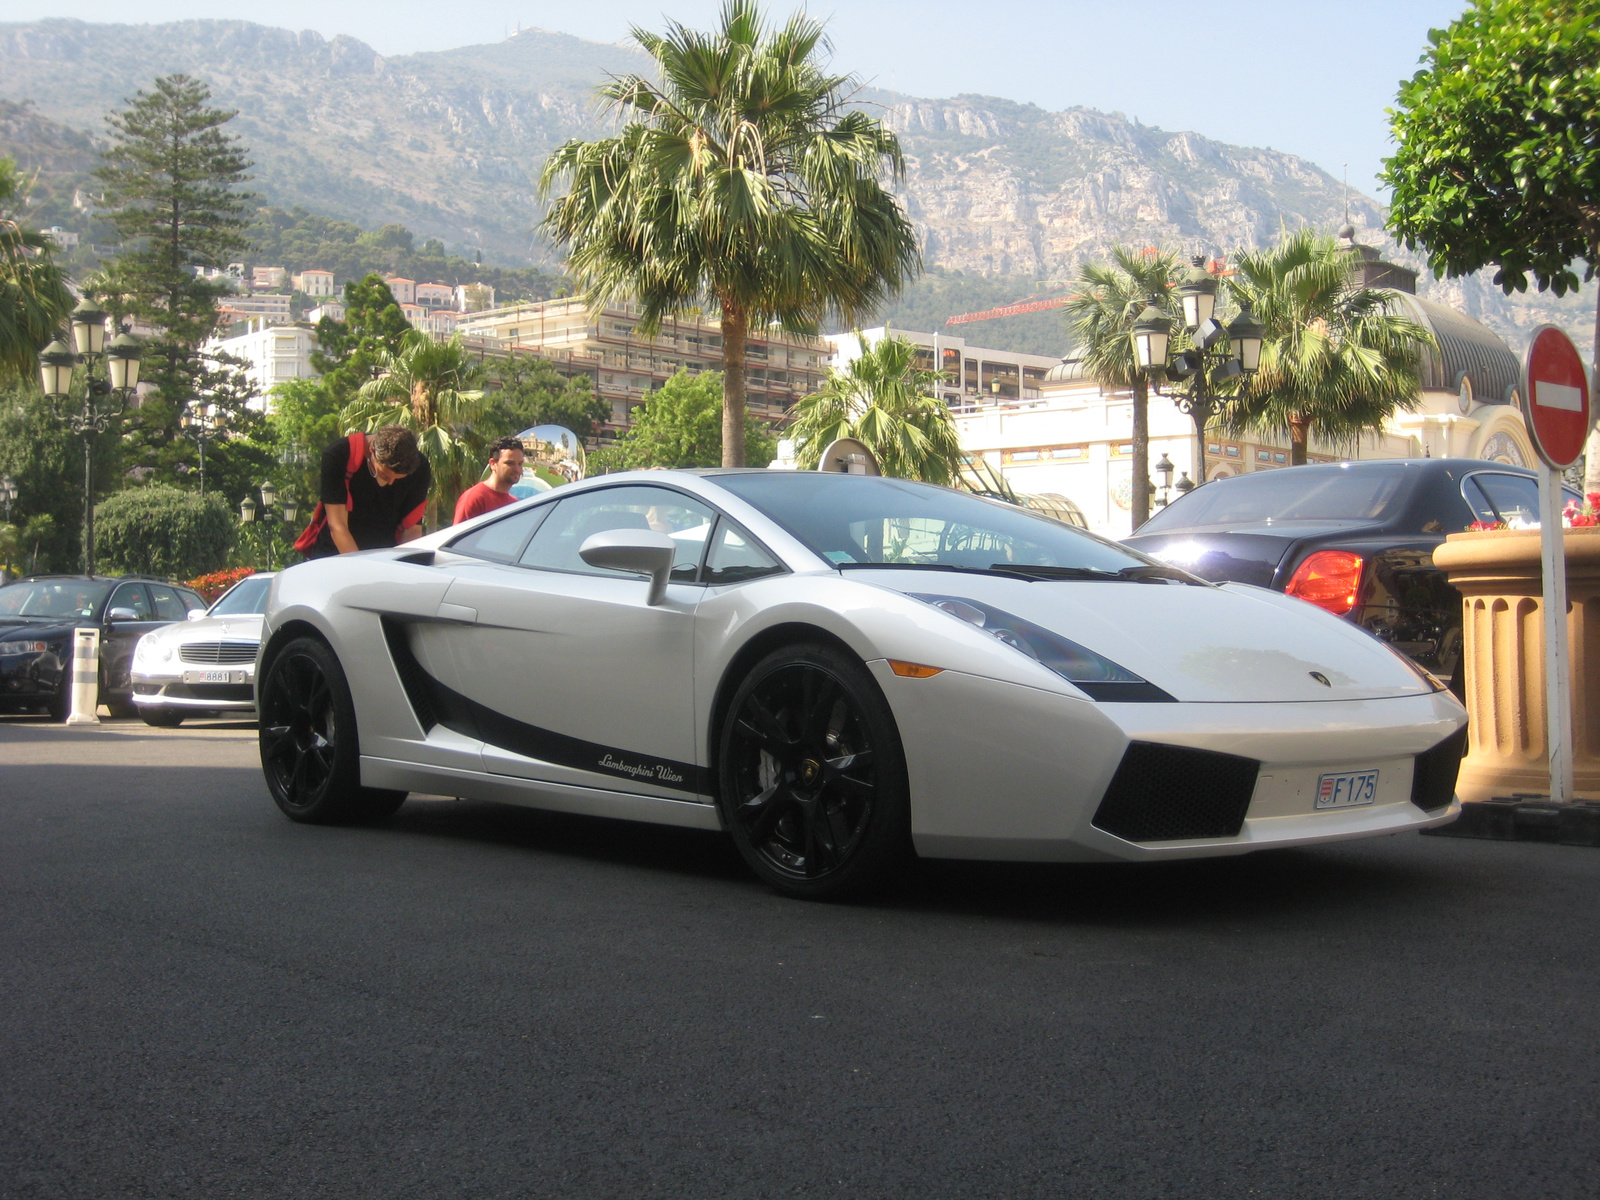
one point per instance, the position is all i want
(436, 704)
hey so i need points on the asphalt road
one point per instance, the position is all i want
(200, 999)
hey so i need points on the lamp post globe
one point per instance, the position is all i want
(1151, 335)
(1245, 335)
(1164, 468)
(56, 364)
(89, 327)
(269, 494)
(291, 508)
(1198, 292)
(122, 361)
(247, 511)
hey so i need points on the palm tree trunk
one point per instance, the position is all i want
(734, 330)
(1201, 418)
(1299, 436)
(1141, 453)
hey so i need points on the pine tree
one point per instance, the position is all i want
(171, 177)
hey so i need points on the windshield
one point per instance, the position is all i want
(248, 596)
(1295, 494)
(856, 519)
(66, 599)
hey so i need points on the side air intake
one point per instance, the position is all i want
(1433, 783)
(1172, 793)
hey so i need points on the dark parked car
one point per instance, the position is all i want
(38, 615)
(1354, 538)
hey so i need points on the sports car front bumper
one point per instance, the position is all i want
(1003, 771)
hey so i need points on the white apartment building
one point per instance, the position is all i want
(474, 297)
(402, 289)
(314, 283)
(64, 239)
(332, 309)
(627, 365)
(973, 375)
(435, 295)
(266, 279)
(275, 354)
(267, 307)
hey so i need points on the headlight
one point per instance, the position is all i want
(1083, 668)
(21, 647)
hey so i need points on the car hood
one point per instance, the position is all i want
(1225, 644)
(245, 627)
(1251, 555)
(52, 627)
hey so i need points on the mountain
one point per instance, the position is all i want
(1004, 195)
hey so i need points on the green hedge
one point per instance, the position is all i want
(160, 530)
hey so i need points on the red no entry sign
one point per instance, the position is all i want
(1555, 390)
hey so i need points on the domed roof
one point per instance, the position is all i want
(1068, 370)
(1466, 348)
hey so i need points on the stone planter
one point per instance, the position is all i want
(1499, 579)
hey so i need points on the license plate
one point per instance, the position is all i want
(208, 676)
(1347, 789)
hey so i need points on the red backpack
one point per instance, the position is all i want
(319, 518)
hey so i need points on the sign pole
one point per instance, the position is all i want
(1556, 399)
(1557, 656)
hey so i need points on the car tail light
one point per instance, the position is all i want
(1329, 579)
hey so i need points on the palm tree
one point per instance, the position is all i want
(34, 301)
(426, 386)
(884, 400)
(1337, 360)
(741, 182)
(1100, 317)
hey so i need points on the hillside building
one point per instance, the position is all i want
(474, 297)
(267, 279)
(62, 239)
(402, 289)
(334, 310)
(973, 375)
(267, 307)
(315, 283)
(274, 353)
(626, 365)
(435, 295)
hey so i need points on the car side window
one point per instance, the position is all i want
(577, 518)
(168, 606)
(132, 595)
(504, 539)
(1496, 496)
(735, 557)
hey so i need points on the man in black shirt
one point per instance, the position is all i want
(382, 503)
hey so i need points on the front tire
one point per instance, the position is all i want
(811, 776)
(162, 718)
(310, 751)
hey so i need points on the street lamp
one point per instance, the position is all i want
(8, 493)
(203, 422)
(267, 535)
(104, 400)
(1164, 469)
(1216, 355)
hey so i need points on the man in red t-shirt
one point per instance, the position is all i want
(505, 468)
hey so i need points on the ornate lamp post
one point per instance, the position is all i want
(1164, 468)
(1218, 353)
(8, 494)
(268, 535)
(203, 422)
(104, 400)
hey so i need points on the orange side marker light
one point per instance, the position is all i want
(910, 670)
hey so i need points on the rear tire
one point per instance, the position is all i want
(163, 718)
(310, 750)
(811, 776)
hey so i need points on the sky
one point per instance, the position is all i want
(1311, 77)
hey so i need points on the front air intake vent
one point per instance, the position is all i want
(1172, 793)
(1433, 783)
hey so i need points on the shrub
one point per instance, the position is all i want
(160, 530)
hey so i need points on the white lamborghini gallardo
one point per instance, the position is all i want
(840, 671)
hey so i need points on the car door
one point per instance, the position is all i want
(120, 633)
(568, 673)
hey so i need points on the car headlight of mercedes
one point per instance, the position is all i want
(1091, 673)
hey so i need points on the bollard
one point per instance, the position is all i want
(85, 677)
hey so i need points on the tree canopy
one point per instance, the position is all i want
(743, 181)
(884, 400)
(680, 425)
(34, 300)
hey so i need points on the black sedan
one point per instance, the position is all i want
(1354, 538)
(37, 618)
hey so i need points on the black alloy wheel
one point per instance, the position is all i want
(310, 753)
(812, 779)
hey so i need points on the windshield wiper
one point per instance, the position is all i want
(1139, 573)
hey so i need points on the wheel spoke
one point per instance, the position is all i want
(819, 697)
(274, 738)
(821, 854)
(858, 761)
(762, 813)
(297, 778)
(758, 723)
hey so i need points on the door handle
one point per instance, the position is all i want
(458, 613)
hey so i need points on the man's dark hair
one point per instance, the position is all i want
(505, 443)
(395, 448)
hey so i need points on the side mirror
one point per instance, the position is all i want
(195, 614)
(637, 551)
(122, 614)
